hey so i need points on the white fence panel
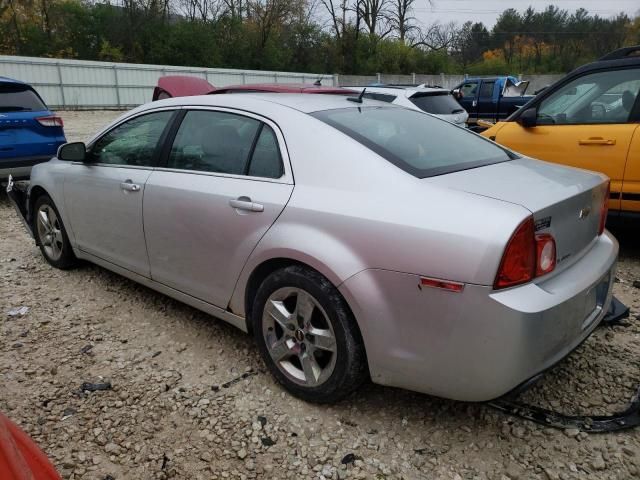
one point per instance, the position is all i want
(77, 84)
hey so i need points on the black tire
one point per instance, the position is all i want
(349, 369)
(66, 258)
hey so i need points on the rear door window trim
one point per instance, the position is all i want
(285, 163)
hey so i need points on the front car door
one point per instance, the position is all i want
(104, 194)
(469, 100)
(588, 123)
(222, 184)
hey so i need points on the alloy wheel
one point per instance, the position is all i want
(50, 231)
(299, 336)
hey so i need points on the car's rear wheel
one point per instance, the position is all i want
(51, 235)
(308, 336)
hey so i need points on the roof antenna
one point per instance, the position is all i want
(358, 99)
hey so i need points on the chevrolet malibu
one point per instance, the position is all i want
(352, 238)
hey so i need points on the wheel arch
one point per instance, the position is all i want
(262, 270)
(35, 193)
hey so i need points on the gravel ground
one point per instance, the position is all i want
(190, 397)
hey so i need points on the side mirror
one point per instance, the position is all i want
(457, 94)
(73, 152)
(528, 118)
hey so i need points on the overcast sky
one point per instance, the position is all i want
(487, 11)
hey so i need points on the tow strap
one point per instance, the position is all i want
(626, 419)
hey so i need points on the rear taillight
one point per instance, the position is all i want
(50, 121)
(518, 263)
(604, 208)
(527, 256)
(545, 254)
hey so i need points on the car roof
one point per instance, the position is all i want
(395, 89)
(10, 80)
(623, 57)
(283, 88)
(298, 101)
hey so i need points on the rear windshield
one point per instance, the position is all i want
(438, 103)
(419, 144)
(16, 98)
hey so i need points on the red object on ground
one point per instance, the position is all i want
(20, 457)
(181, 86)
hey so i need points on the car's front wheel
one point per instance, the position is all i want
(51, 235)
(308, 336)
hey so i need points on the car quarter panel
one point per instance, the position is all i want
(352, 210)
(478, 344)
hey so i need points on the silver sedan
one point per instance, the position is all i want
(353, 239)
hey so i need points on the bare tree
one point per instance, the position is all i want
(438, 36)
(269, 15)
(374, 15)
(236, 8)
(402, 19)
(338, 12)
(205, 10)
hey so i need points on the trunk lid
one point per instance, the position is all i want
(565, 202)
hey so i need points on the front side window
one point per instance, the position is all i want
(599, 97)
(221, 142)
(131, 143)
(420, 144)
(469, 89)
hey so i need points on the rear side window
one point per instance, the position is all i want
(487, 89)
(417, 143)
(265, 160)
(438, 104)
(383, 97)
(222, 142)
(16, 98)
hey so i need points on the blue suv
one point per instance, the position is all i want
(29, 132)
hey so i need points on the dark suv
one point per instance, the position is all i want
(29, 132)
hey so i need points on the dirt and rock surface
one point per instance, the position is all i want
(189, 397)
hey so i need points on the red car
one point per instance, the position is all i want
(181, 86)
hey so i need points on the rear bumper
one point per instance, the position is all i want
(479, 344)
(20, 168)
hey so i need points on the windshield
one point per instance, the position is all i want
(438, 103)
(16, 98)
(419, 144)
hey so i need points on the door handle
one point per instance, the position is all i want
(245, 203)
(129, 186)
(597, 141)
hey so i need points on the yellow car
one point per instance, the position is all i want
(590, 119)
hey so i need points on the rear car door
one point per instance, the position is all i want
(585, 123)
(486, 104)
(224, 180)
(103, 196)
